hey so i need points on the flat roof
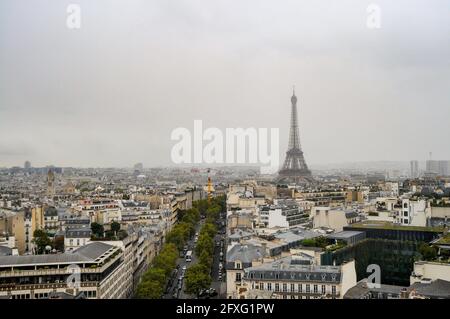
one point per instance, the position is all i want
(88, 254)
(345, 234)
(389, 225)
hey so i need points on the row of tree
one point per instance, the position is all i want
(197, 276)
(155, 279)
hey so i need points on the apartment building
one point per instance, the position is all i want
(297, 277)
(98, 270)
(284, 214)
(413, 212)
(335, 219)
(12, 225)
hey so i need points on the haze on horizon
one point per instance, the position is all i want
(110, 93)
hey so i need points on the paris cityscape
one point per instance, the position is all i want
(200, 151)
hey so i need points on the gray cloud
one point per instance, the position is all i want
(110, 93)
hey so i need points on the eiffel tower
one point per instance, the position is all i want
(294, 167)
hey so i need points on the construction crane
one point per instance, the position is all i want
(209, 186)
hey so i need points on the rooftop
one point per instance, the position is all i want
(290, 268)
(344, 234)
(388, 225)
(90, 253)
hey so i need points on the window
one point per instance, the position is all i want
(292, 296)
(261, 286)
(405, 213)
(292, 287)
(238, 265)
(333, 290)
(277, 287)
(284, 287)
(323, 290)
(315, 289)
(300, 288)
(238, 276)
(307, 288)
(269, 286)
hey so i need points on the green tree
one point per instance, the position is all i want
(428, 252)
(204, 243)
(206, 259)
(115, 227)
(41, 240)
(197, 278)
(201, 205)
(176, 236)
(58, 243)
(97, 229)
(150, 290)
(167, 258)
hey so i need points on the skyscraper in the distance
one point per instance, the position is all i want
(414, 169)
(27, 165)
(441, 168)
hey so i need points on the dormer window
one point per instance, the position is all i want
(238, 265)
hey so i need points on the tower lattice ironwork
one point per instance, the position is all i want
(294, 168)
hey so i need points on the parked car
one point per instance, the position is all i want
(207, 293)
(212, 292)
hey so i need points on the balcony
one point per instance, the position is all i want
(60, 271)
(9, 287)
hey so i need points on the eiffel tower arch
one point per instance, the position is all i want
(294, 169)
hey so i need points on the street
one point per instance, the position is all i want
(219, 286)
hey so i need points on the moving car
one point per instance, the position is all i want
(189, 256)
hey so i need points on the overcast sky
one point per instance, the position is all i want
(111, 92)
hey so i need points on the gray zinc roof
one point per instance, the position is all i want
(87, 253)
(284, 269)
(245, 253)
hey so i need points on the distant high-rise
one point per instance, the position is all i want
(438, 167)
(294, 167)
(50, 183)
(414, 169)
(27, 165)
(138, 167)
